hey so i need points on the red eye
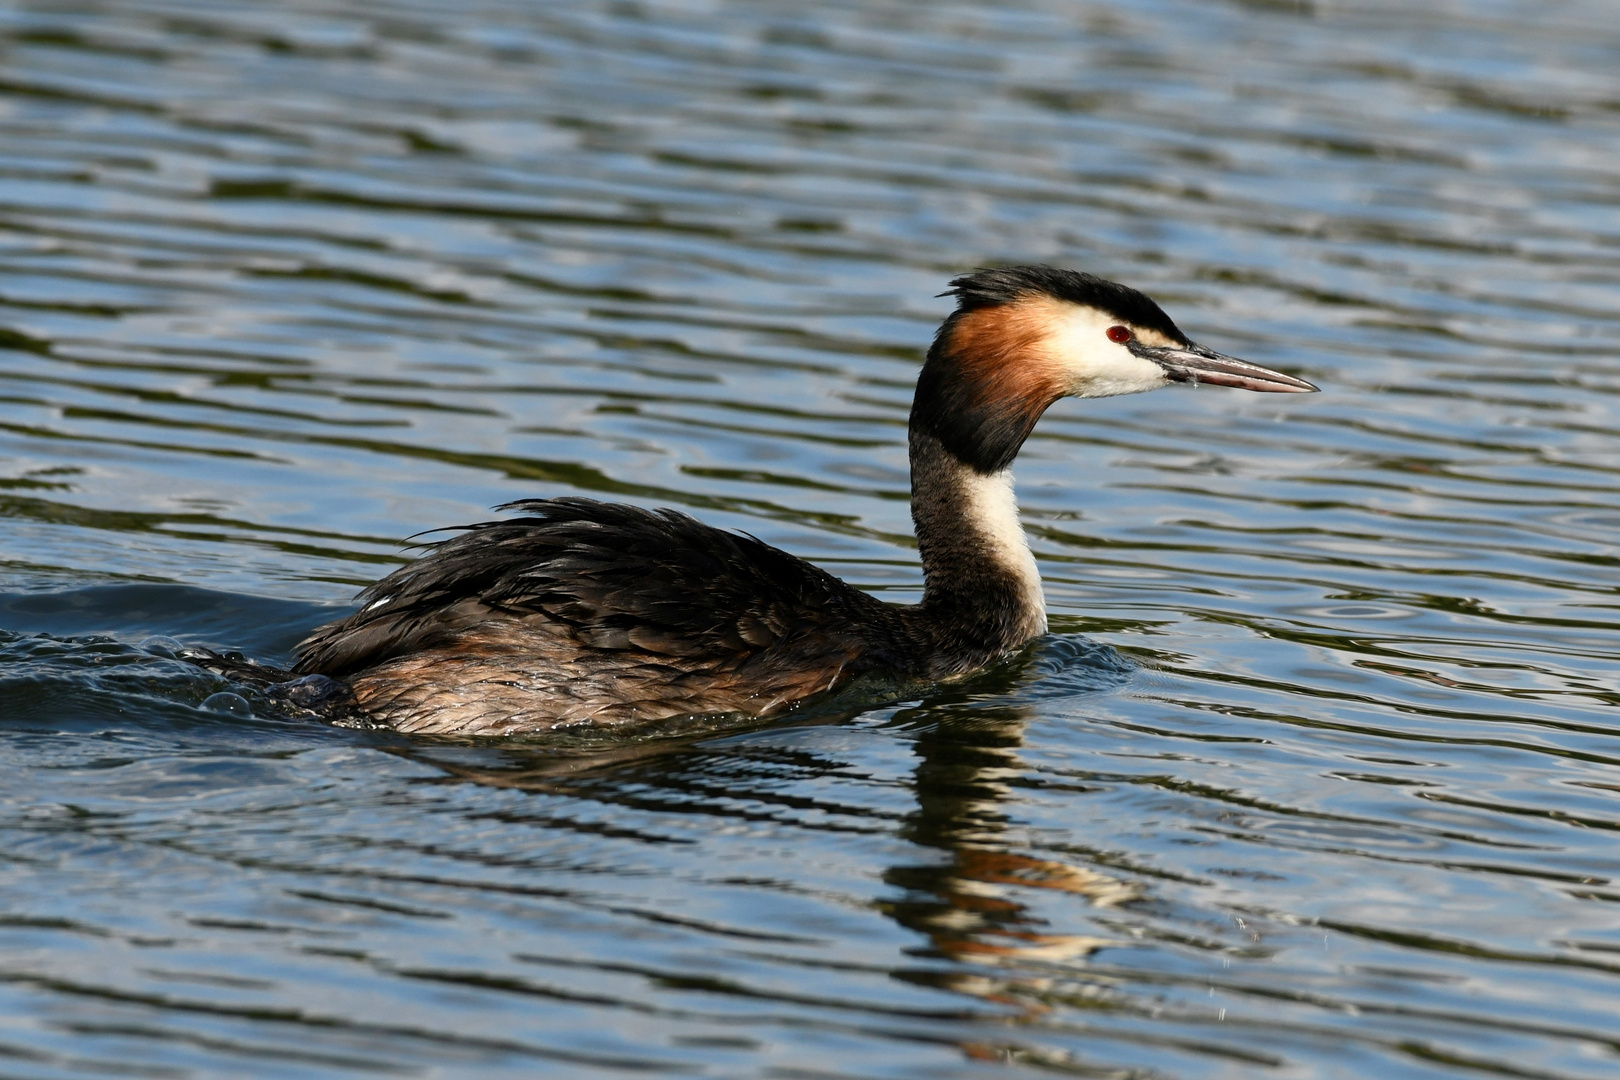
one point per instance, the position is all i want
(1119, 335)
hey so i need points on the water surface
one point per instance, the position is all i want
(1317, 775)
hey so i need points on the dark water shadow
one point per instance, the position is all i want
(261, 626)
(108, 656)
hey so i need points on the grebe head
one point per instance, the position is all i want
(1023, 336)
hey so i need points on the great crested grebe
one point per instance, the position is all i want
(588, 613)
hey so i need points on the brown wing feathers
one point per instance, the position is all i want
(615, 576)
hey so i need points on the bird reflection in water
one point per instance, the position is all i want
(966, 903)
(961, 890)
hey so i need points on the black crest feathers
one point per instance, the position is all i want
(1006, 284)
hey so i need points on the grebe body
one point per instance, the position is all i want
(580, 612)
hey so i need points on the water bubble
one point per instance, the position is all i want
(162, 646)
(228, 703)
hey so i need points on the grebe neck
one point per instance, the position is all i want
(982, 592)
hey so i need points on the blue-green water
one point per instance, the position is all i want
(1317, 776)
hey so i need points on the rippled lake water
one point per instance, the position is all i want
(1318, 774)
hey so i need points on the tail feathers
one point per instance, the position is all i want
(305, 695)
(235, 667)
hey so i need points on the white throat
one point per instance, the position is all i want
(991, 511)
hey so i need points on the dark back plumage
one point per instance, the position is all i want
(655, 587)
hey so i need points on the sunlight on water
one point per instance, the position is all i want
(1313, 778)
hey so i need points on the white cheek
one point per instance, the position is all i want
(1124, 374)
(1096, 366)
